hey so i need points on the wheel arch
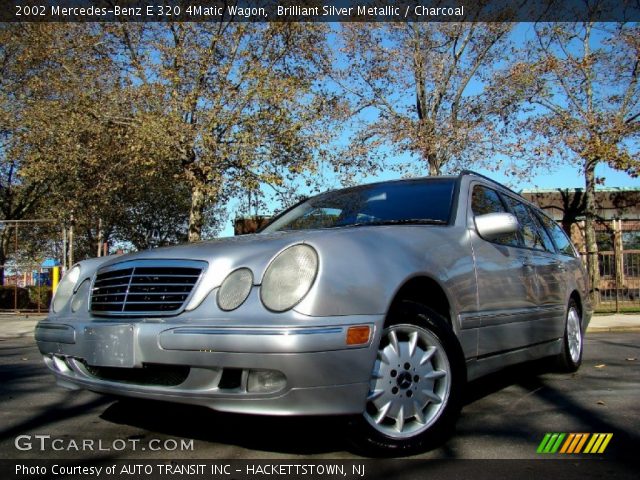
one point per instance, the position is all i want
(426, 291)
(575, 296)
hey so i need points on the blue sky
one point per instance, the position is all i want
(566, 175)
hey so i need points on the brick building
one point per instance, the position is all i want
(617, 233)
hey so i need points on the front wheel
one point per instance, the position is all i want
(416, 385)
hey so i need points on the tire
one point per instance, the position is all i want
(570, 358)
(416, 386)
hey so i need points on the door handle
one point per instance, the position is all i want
(527, 264)
(560, 266)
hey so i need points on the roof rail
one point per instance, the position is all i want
(471, 172)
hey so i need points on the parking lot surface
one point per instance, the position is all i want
(505, 417)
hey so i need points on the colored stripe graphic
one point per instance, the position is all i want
(598, 442)
(550, 443)
(574, 443)
(567, 444)
(553, 443)
(543, 443)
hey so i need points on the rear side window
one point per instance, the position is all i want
(562, 242)
(528, 228)
(544, 235)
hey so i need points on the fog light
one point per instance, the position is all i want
(265, 381)
(358, 335)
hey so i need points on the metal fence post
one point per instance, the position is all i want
(619, 262)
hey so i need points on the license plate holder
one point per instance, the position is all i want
(110, 345)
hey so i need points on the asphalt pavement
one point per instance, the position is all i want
(505, 415)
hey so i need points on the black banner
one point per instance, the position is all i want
(407, 469)
(318, 10)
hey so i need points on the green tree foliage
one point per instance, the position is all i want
(20, 198)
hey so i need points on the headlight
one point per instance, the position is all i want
(81, 296)
(289, 277)
(65, 289)
(235, 289)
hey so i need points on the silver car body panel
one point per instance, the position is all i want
(507, 305)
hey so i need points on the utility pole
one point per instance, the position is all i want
(99, 237)
(15, 272)
(64, 247)
(71, 241)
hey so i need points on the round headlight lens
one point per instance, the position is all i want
(65, 289)
(80, 298)
(235, 289)
(289, 278)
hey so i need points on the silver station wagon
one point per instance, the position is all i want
(377, 302)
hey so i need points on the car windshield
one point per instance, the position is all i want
(426, 202)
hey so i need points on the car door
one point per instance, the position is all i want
(549, 286)
(565, 261)
(552, 282)
(506, 281)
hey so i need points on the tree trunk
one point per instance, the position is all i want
(589, 228)
(3, 259)
(4, 250)
(196, 214)
(434, 167)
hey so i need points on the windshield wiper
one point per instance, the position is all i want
(404, 221)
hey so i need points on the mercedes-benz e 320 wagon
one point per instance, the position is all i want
(377, 302)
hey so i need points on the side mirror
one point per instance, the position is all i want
(493, 225)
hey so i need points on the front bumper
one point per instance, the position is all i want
(212, 365)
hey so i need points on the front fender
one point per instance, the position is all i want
(362, 268)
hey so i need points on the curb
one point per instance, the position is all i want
(613, 329)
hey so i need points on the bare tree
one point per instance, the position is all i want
(579, 82)
(419, 87)
(235, 103)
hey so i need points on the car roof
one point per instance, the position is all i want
(503, 187)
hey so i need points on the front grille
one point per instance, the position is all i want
(140, 288)
(149, 374)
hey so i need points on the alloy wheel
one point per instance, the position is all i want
(574, 335)
(410, 384)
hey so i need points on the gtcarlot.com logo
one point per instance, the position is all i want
(44, 443)
(574, 443)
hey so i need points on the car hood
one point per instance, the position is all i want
(245, 248)
(256, 251)
(350, 257)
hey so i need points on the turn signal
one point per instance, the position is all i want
(358, 335)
